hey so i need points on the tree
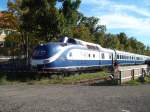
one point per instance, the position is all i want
(147, 51)
(111, 41)
(92, 24)
(123, 40)
(8, 21)
(42, 20)
(82, 33)
(70, 11)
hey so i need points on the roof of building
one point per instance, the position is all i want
(1, 14)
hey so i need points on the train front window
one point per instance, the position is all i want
(39, 53)
(68, 40)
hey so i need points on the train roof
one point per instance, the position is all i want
(78, 42)
(87, 43)
(132, 54)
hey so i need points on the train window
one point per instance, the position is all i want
(39, 53)
(68, 40)
(89, 55)
(72, 41)
(124, 57)
(103, 56)
(120, 57)
(92, 47)
(117, 56)
(93, 55)
(97, 48)
(110, 56)
(70, 54)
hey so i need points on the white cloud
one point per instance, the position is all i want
(115, 7)
(129, 23)
(124, 21)
(133, 8)
(97, 2)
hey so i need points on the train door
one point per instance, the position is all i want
(115, 57)
(100, 58)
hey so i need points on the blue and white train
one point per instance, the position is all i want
(76, 55)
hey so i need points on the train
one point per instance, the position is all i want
(71, 54)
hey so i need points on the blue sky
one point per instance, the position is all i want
(129, 16)
(3, 5)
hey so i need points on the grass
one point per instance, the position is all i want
(69, 79)
(6, 79)
(31, 79)
(139, 81)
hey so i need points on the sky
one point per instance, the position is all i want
(129, 16)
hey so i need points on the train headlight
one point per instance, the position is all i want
(46, 61)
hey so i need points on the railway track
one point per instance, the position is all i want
(94, 81)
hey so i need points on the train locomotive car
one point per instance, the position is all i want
(76, 55)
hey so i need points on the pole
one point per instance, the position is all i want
(27, 49)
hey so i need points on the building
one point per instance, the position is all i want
(2, 34)
(2, 38)
(4, 27)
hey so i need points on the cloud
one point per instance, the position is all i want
(121, 21)
(98, 6)
(133, 26)
(131, 8)
(97, 2)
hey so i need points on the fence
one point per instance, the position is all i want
(127, 73)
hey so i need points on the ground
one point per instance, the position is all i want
(74, 98)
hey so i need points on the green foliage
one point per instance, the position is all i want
(123, 42)
(55, 79)
(139, 81)
(82, 33)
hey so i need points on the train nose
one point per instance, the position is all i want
(45, 54)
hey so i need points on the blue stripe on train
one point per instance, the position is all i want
(88, 63)
(130, 62)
